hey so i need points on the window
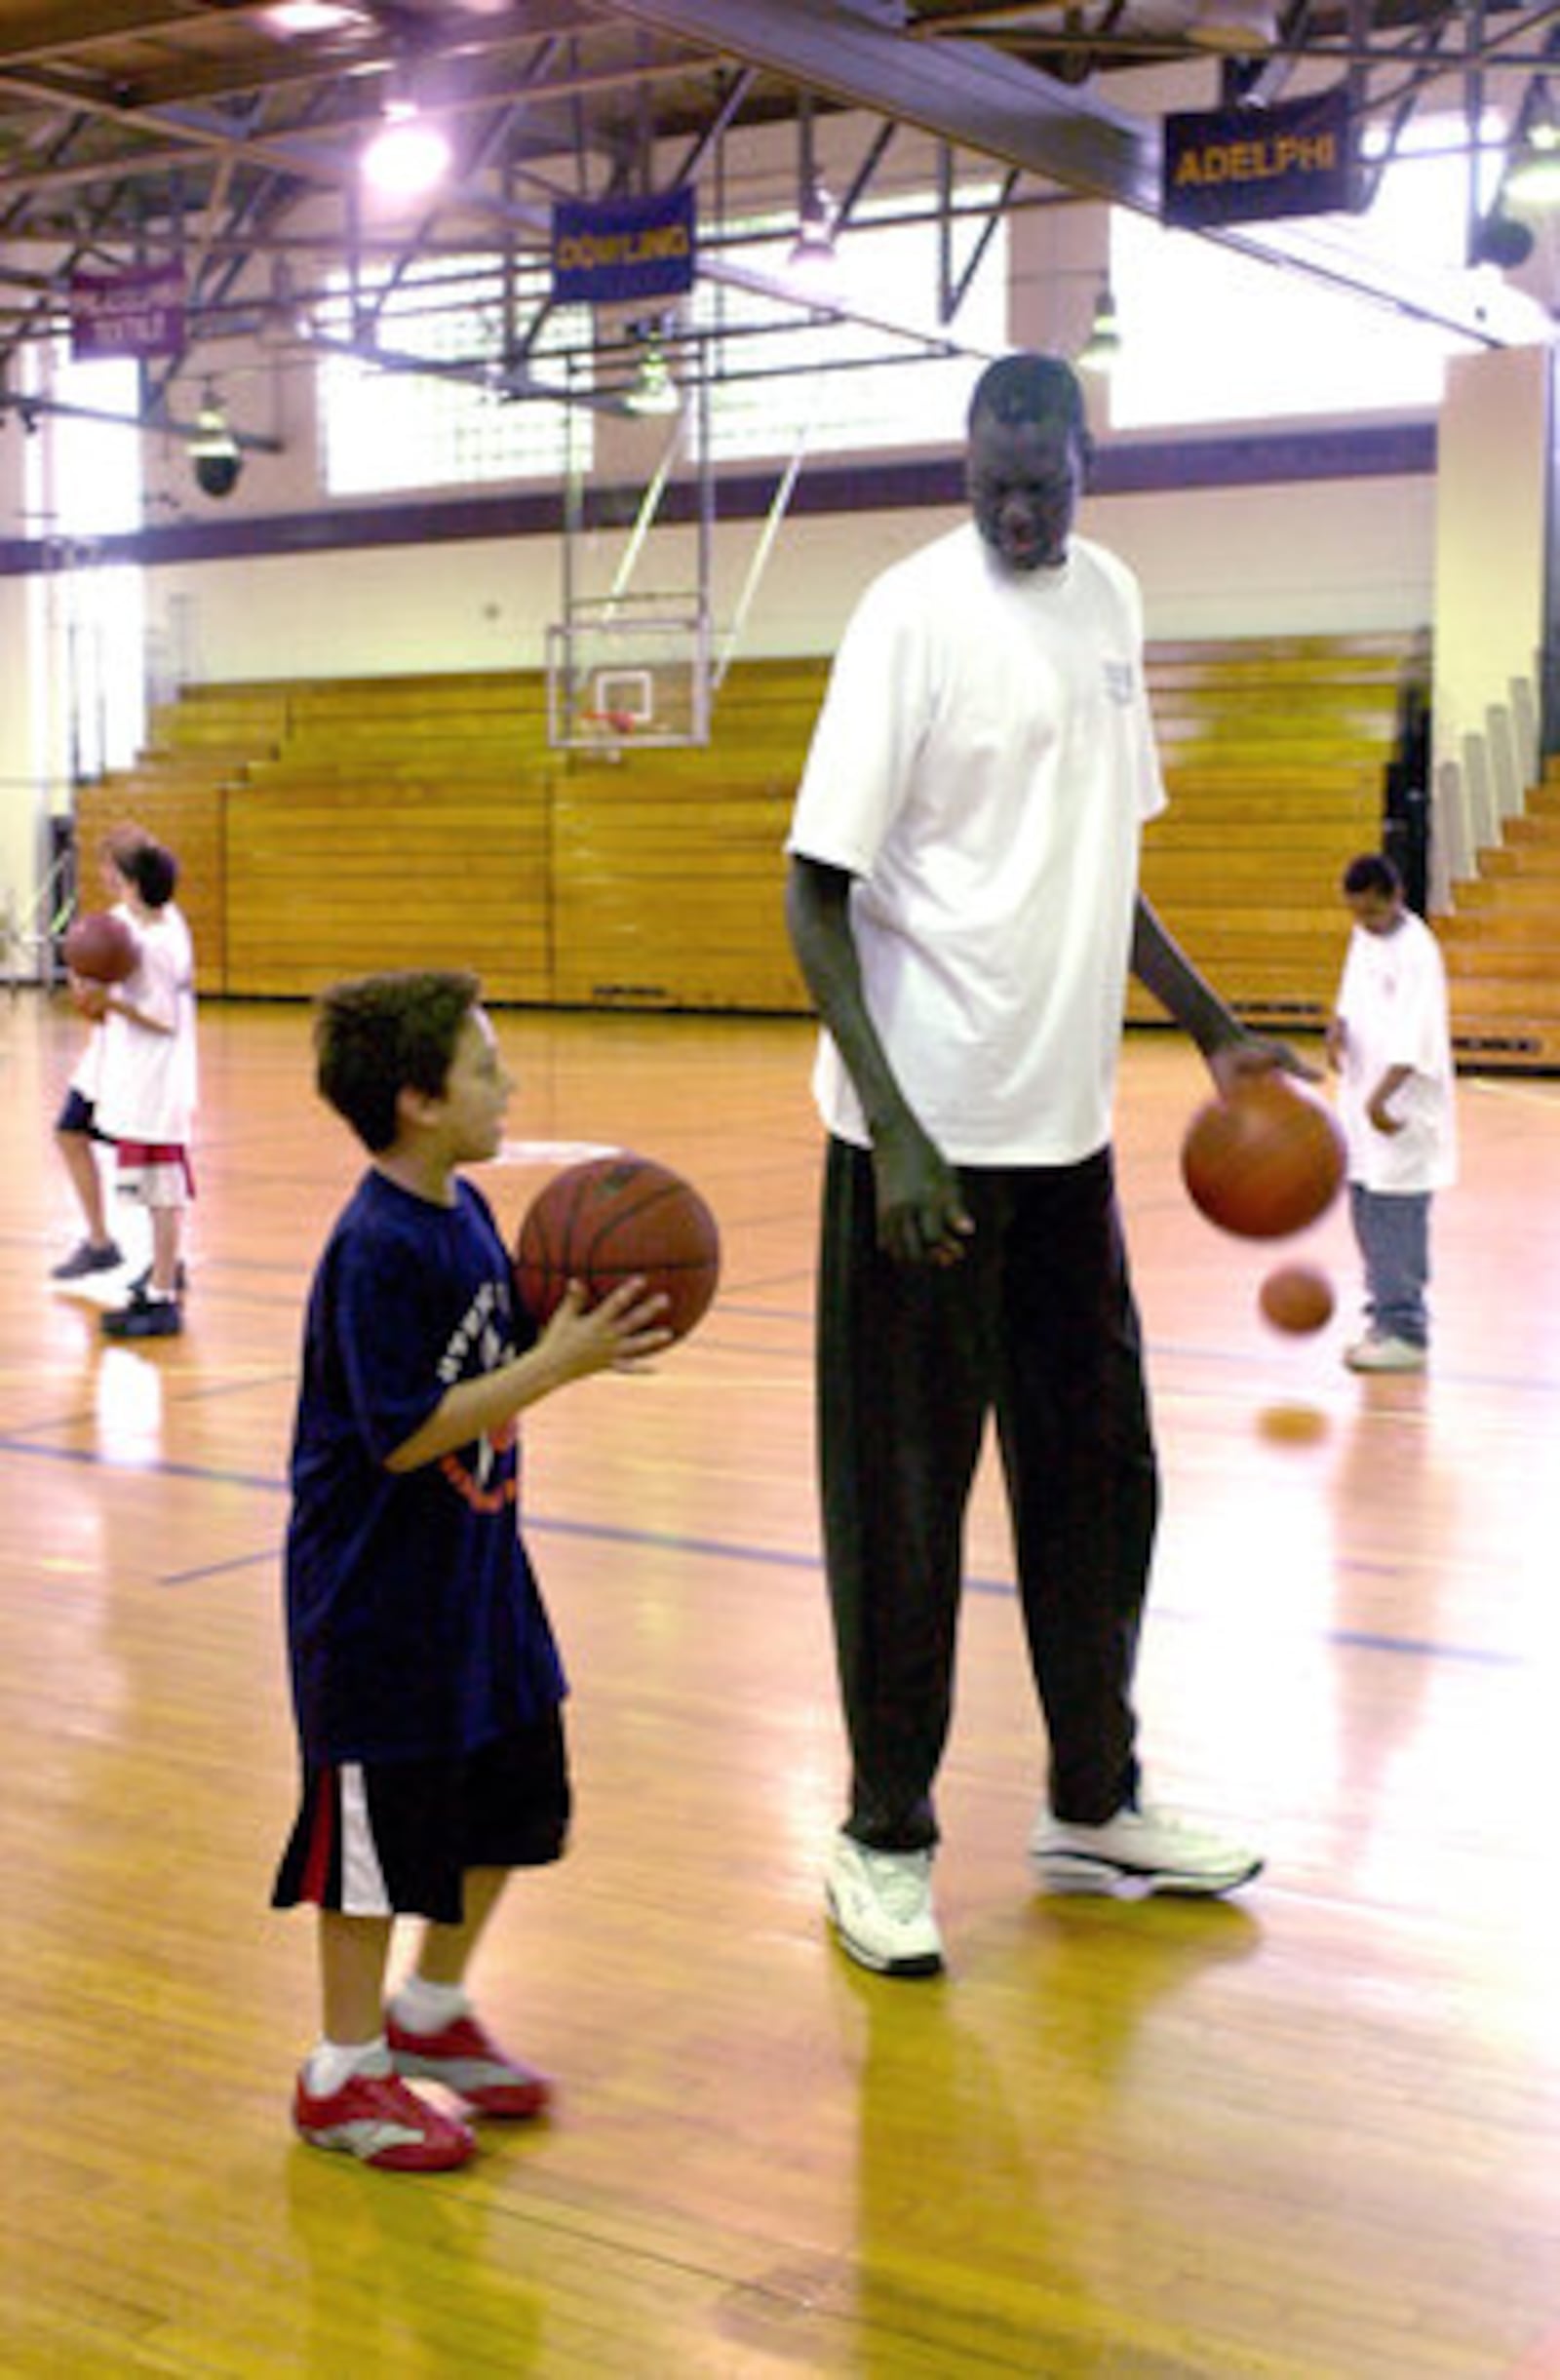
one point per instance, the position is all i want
(382, 429)
(1209, 334)
(782, 375)
(83, 482)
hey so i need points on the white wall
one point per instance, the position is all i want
(1355, 555)
(1491, 541)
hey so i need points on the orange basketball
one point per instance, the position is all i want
(610, 1218)
(100, 946)
(1264, 1162)
(1296, 1297)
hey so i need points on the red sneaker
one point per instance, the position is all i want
(468, 2061)
(374, 2117)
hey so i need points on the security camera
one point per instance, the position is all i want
(214, 451)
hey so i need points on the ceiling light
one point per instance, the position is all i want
(1101, 349)
(214, 450)
(654, 391)
(813, 248)
(1238, 28)
(1534, 176)
(297, 19)
(409, 156)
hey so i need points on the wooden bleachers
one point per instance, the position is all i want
(340, 825)
(1275, 754)
(1501, 944)
(668, 864)
(177, 790)
(401, 821)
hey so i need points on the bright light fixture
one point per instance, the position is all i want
(1101, 349)
(814, 254)
(297, 19)
(654, 391)
(409, 156)
(1533, 180)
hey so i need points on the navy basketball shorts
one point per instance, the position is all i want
(78, 1115)
(394, 1837)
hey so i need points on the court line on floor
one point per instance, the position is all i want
(716, 1549)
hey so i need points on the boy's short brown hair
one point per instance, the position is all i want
(376, 1036)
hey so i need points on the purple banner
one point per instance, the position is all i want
(623, 248)
(140, 313)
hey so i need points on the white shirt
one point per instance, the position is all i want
(147, 1084)
(1392, 1002)
(982, 765)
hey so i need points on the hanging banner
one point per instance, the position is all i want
(1245, 165)
(140, 313)
(611, 248)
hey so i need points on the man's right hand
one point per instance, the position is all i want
(921, 1216)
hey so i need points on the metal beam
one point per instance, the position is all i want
(960, 91)
(986, 101)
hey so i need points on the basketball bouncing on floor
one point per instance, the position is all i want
(1264, 1163)
(609, 1220)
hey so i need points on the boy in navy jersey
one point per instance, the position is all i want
(425, 1679)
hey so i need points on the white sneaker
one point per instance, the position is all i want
(1385, 1355)
(1151, 1848)
(880, 1903)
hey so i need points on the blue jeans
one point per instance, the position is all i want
(1393, 1231)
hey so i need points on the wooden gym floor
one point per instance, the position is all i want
(1312, 2133)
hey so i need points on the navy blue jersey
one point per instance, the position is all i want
(415, 1625)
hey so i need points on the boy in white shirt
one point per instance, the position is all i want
(77, 1134)
(1390, 1043)
(146, 1086)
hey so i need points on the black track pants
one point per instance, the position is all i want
(1037, 1326)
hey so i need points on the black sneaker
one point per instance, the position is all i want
(85, 1258)
(145, 1318)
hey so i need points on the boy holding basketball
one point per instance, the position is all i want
(426, 1683)
(148, 1086)
(78, 1136)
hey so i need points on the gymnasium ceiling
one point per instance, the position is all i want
(217, 133)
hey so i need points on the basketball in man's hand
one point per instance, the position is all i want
(100, 946)
(1267, 1160)
(1296, 1297)
(608, 1219)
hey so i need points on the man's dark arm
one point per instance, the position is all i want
(1163, 969)
(921, 1214)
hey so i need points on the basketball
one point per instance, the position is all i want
(1264, 1162)
(101, 947)
(610, 1218)
(1296, 1297)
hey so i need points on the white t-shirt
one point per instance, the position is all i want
(147, 1084)
(982, 765)
(1392, 1001)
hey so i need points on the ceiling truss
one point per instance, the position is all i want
(201, 132)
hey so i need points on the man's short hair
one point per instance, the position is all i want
(1029, 387)
(1373, 872)
(378, 1036)
(153, 871)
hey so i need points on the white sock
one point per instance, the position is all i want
(330, 2064)
(427, 2007)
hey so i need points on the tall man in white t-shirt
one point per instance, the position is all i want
(963, 902)
(1390, 1041)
